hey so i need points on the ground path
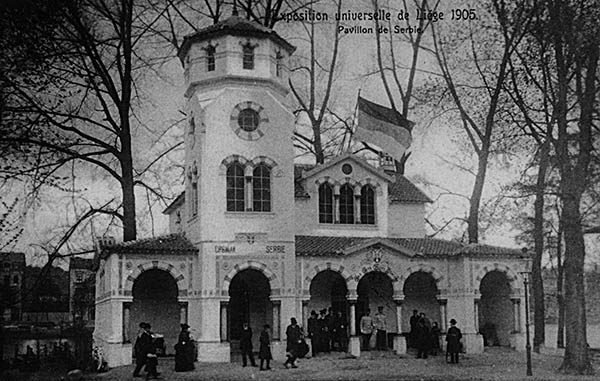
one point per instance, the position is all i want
(494, 364)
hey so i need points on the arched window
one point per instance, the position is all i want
(235, 187)
(367, 205)
(248, 57)
(325, 204)
(210, 58)
(261, 189)
(346, 204)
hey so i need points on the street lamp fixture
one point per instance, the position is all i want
(525, 275)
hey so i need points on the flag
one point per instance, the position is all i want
(382, 126)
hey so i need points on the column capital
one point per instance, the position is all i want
(399, 300)
(442, 301)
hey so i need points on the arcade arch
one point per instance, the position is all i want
(420, 293)
(376, 289)
(155, 294)
(496, 314)
(249, 301)
(328, 289)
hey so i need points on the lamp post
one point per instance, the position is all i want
(525, 275)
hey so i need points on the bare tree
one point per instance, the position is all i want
(564, 69)
(318, 73)
(476, 84)
(79, 104)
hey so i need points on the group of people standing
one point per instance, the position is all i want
(145, 354)
(264, 352)
(328, 331)
(425, 337)
(375, 325)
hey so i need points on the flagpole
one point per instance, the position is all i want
(353, 123)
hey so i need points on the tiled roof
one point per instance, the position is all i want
(333, 246)
(81, 263)
(167, 244)
(402, 190)
(235, 26)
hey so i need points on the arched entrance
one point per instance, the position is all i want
(420, 293)
(496, 315)
(155, 302)
(375, 289)
(328, 289)
(249, 293)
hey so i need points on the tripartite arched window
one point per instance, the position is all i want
(346, 204)
(261, 189)
(325, 203)
(235, 187)
(367, 205)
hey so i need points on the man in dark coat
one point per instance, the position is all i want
(246, 345)
(453, 341)
(313, 332)
(341, 332)
(293, 335)
(264, 352)
(184, 351)
(423, 338)
(414, 320)
(140, 357)
(147, 348)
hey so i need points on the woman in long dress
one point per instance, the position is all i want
(184, 351)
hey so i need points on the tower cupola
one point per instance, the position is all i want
(235, 50)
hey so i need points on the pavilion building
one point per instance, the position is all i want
(255, 238)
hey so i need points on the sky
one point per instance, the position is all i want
(433, 149)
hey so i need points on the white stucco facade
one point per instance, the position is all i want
(212, 248)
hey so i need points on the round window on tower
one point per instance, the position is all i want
(248, 120)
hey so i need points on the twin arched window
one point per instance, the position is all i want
(348, 205)
(248, 193)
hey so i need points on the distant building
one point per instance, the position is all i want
(12, 270)
(81, 289)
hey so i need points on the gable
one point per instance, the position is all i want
(333, 169)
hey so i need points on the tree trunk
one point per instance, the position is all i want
(475, 200)
(560, 337)
(576, 358)
(538, 237)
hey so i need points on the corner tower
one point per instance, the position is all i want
(239, 181)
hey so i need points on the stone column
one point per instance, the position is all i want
(516, 302)
(224, 321)
(399, 339)
(444, 314)
(183, 312)
(399, 314)
(354, 344)
(126, 317)
(276, 320)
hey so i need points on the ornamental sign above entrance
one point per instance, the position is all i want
(375, 260)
